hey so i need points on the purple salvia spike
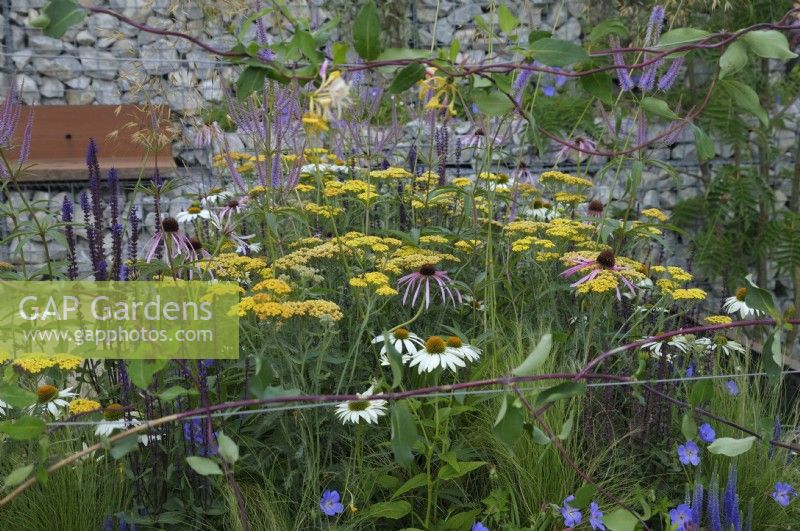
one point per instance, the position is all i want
(25, 149)
(654, 26)
(133, 241)
(116, 250)
(261, 31)
(669, 77)
(625, 82)
(91, 234)
(69, 233)
(457, 156)
(97, 207)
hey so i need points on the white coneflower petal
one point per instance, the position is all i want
(436, 355)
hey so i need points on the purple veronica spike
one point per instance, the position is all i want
(669, 77)
(277, 171)
(697, 503)
(133, 241)
(25, 149)
(730, 502)
(654, 26)
(12, 107)
(625, 82)
(713, 503)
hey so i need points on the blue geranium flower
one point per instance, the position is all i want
(330, 504)
(689, 453)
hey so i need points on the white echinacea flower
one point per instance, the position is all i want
(736, 304)
(435, 355)
(52, 399)
(366, 408)
(405, 342)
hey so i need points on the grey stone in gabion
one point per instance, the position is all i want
(106, 92)
(185, 100)
(124, 48)
(570, 31)
(85, 38)
(158, 58)
(651, 199)
(97, 64)
(21, 58)
(42, 44)
(105, 42)
(103, 22)
(81, 82)
(79, 96)
(63, 68)
(668, 200)
(211, 89)
(463, 14)
(29, 89)
(51, 88)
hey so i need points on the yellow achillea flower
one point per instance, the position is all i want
(232, 266)
(467, 245)
(689, 294)
(83, 405)
(4, 357)
(461, 182)
(604, 282)
(327, 212)
(392, 172)
(547, 257)
(527, 189)
(564, 178)
(434, 238)
(524, 244)
(386, 291)
(718, 319)
(374, 279)
(36, 363)
(276, 286)
(679, 274)
(666, 284)
(304, 188)
(265, 308)
(566, 197)
(493, 177)
(315, 123)
(655, 213)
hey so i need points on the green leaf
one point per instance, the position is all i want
(367, 32)
(508, 22)
(731, 447)
(560, 392)
(40, 22)
(406, 78)
(17, 476)
(566, 428)
(771, 44)
(509, 421)
(536, 358)
(679, 37)
(600, 86)
(658, 107)
(759, 298)
(124, 446)
(404, 433)
(688, 427)
(171, 393)
(745, 98)
(16, 396)
(63, 14)
(394, 510)
(228, 449)
(458, 469)
(733, 59)
(705, 146)
(23, 428)
(204, 466)
(620, 520)
(339, 52)
(536, 35)
(142, 371)
(306, 44)
(395, 361)
(250, 80)
(540, 437)
(420, 480)
(460, 521)
(583, 496)
(555, 52)
(493, 103)
(772, 355)
(702, 391)
(610, 26)
(455, 47)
